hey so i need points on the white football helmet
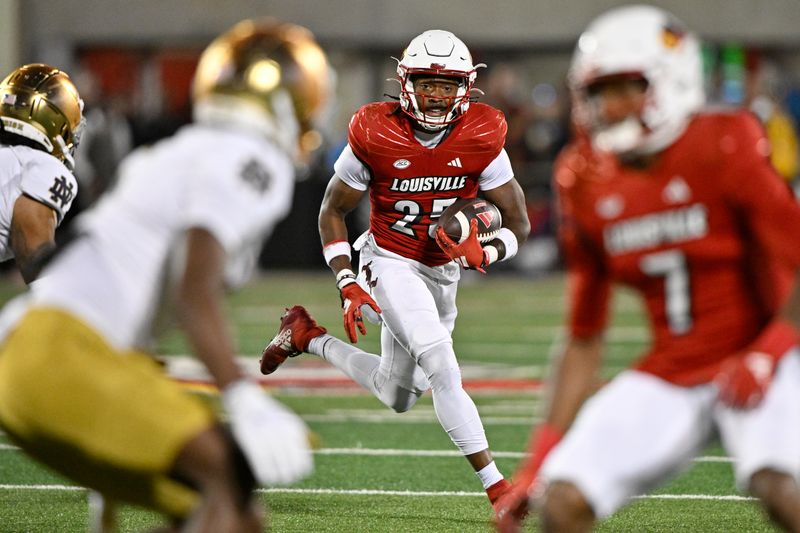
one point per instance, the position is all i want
(436, 53)
(638, 40)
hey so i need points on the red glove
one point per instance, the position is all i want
(512, 508)
(468, 254)
(743, 379)
(353, 297)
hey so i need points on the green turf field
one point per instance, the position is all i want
(377, 471)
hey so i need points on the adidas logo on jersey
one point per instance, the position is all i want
(455, 163)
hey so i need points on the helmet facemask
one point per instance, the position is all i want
(436, 54)
(622, 128)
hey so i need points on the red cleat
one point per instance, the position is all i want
(511, 509)
(496, 491)
(296, 331)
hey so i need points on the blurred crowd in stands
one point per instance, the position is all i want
(136, 97)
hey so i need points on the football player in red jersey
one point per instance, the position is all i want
(683, 206)
(414, 159)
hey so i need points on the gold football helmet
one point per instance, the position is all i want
(41, 104)
(267, 74)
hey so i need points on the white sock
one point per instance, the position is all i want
(489, 475)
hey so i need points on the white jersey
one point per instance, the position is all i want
(115, 276)
(35, 174)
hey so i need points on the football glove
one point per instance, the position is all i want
(743, 380)
(274, 440)
(512, 507)
(356, 304)
(469, 254)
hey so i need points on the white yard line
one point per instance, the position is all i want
(406, 419)
(398, 452)
(407, 493)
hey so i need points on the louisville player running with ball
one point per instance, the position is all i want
(682, 205)
(414, 159)
(184, 223)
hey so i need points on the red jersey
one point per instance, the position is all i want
(706, 235)
(412, 185)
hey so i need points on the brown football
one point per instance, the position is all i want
(456, 219)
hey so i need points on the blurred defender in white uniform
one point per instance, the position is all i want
(187, 218)
(41, 122)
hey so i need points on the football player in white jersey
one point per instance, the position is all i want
(186, 219)
(414, 158)
(41, 119)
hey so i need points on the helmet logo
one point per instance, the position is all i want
(437, 66)
(401, 164)
(671, 37)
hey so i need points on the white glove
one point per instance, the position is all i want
(274, 439)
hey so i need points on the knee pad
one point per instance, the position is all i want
(440, 366)
(445, 379)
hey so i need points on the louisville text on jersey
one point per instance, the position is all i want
(653, 230)
(428, 183)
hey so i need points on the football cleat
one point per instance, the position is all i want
(496, 491)
(296, 331)
(510, 510)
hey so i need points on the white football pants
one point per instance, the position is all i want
(418, 310)
(639, 430)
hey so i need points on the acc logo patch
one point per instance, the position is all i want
(677, 191)
(401, 164)
(610, 206)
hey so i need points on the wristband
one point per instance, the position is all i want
(335, 249)
(490, 254)
(509, 241)
(344, 278)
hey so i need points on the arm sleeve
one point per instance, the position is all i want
(351, 170)
(496, 173)
(47, 180)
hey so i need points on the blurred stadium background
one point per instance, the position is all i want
(133, 63)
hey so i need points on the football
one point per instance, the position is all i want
(455, 219)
